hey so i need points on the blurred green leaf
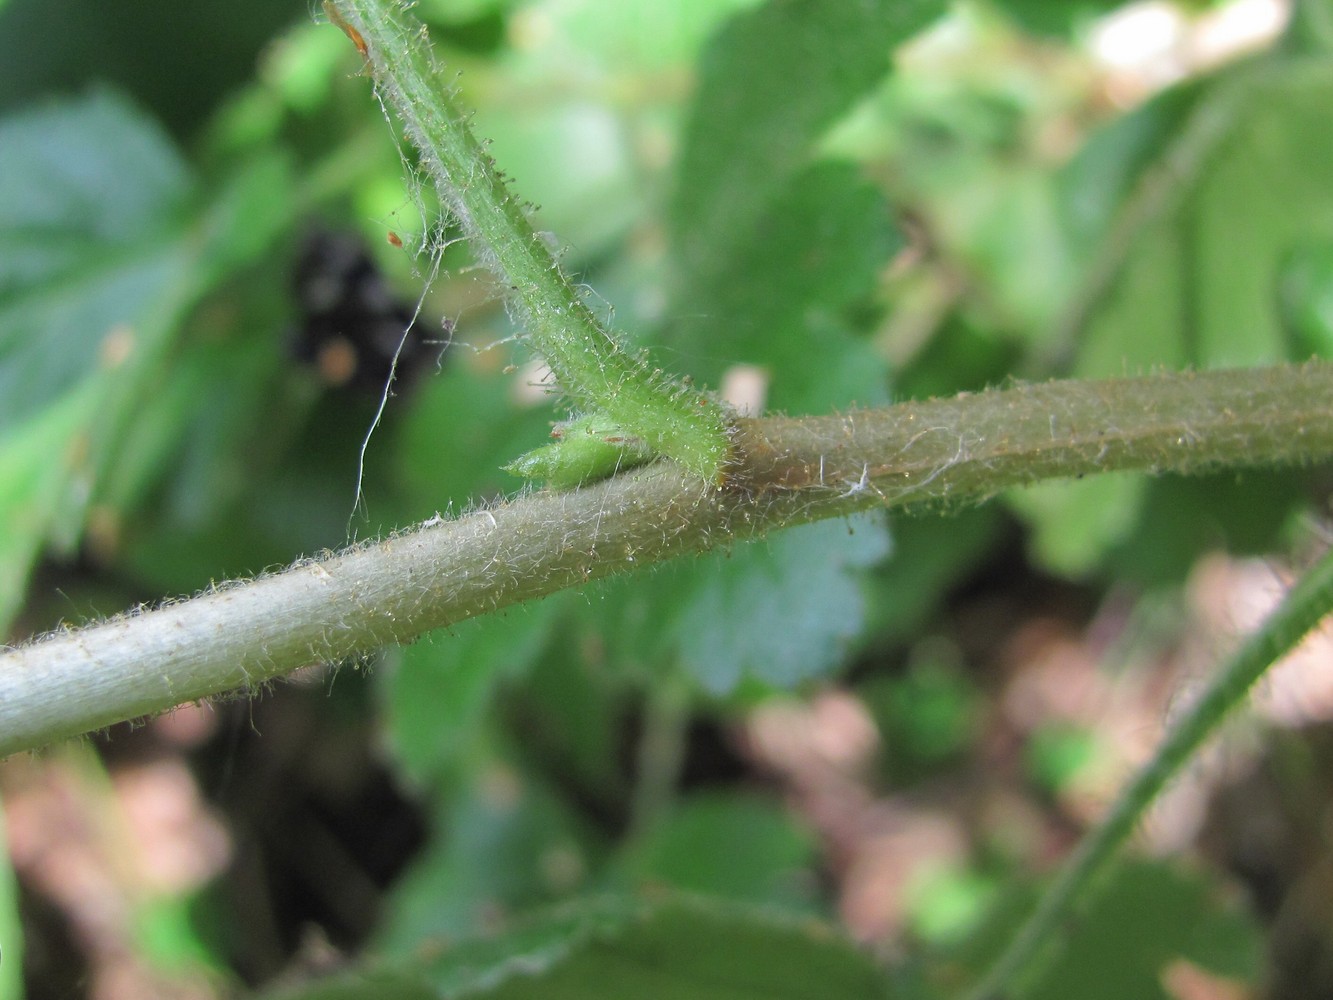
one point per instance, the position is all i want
(572, 713)
(1057, 753)
(1074, 524)
(106, 246)
(504, 844)
(475, 963)
(1057, 19)
(1181, 517)
(929, 555)
(581, 119)
(165, 934)
(1305, 299)
(945, 904)
(247, 212)
(1310, 30)
(1102, 176)
(573, 158)
(697, 951)
(925, 716)
(732, 847)
(782, 298)
(460, 428)
(1200, 282)
(437, 692)
(371, 984)
(35, 467)
(642, 38)
(1147, 919)
(462, 11)
(1151, 530)
(774, 254)
(663, 948)
(92, 281)
(781, 611)
(1150, 917)
(90, 214)
(771, 82)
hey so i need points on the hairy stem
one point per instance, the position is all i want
(1309, 601)
(589, 364)
(787, 471)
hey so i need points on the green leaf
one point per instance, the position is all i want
(781, 611)
(1310, 30)
(693, 951)
(926, 715)
(666, 948)
(1183, 516)
(1255, 180)
(460, 428)
(573, 711)
(1059, 19)
(1151, 917)
(1058, 753)
(99, 267)
(437, 692)
(777, 256)
(505, 844)
(783, 296)
(35, 467)
(1305, 299)
(370, 984)
(640, 36)
(1114, 160)
(89, 214)
(1148, 919)
(88, 271)
(735, 847)
(785, 611)
(771, 82)
(1074, 524)
(945, 902)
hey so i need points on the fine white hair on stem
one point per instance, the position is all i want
(243, 635)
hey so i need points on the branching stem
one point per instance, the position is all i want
(787, 471)
(588, 363)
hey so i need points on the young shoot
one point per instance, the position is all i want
(585, 450)
(591, 366)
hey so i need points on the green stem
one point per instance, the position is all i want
(661, 751)
(1309, 601)
(589, 364)
(787, 472)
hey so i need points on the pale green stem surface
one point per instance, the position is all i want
(787, 471)
(1308, 602)
(588, 363)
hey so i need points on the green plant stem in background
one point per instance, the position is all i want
(588, 363)
(788, 471)
(1308, 602)
(661, 752)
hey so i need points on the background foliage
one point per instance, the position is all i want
(846, 204)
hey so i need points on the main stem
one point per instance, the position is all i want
(588, 363)
(788, 471)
